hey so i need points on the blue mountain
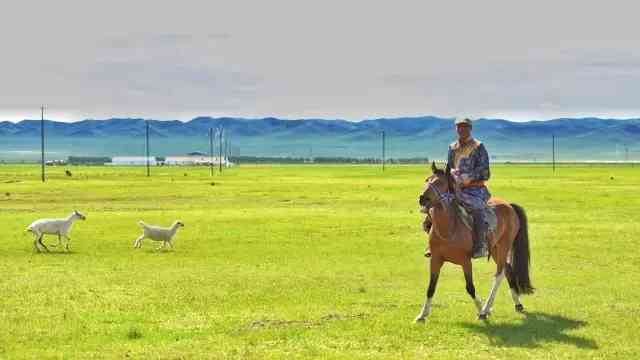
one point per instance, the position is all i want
(577, 139)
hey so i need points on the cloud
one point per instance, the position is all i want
(323, 59)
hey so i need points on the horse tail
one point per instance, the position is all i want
(521, 254)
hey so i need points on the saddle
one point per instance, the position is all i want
(467, 218)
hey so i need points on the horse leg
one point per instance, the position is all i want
(436, 265)
(471, 290)
(66, 243)
(486, 309)
(513, 288)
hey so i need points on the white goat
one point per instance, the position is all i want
(157, 233)
(60, 227)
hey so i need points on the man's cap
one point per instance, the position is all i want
(463, 120)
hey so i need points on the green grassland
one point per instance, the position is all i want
(308, 261)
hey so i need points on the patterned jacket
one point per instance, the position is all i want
(471, 159)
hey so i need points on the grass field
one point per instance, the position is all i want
(308, 261)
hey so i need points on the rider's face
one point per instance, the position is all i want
(464, 131)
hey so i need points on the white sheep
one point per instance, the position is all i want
(60, 227)
(157, 233)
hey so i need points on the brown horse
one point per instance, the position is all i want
(451, 241)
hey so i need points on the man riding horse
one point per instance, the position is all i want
(468, 164)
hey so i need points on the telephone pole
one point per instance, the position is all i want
(147, 147)
(553, 151)
(42, 139)
(210, 151)
(626, 153)
(383, 149)
(220, 149)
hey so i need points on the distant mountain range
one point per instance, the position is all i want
(428, 136)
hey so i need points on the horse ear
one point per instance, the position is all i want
(433, 167)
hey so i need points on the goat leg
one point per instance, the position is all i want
(41, 244)
(138, 242)
(59, 242)
(35, 243)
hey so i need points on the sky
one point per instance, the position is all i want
(346, 59)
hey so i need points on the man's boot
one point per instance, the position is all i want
(480, 248)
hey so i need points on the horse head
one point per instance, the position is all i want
(437, 183)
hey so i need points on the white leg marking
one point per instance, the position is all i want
(492, 294)
(426, 310)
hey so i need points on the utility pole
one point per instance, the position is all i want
(220, 149)
(553, 151)
(42, 139)
(227, 149)
(626, 153)
(383, 149)
(210, 151)
(147, 147)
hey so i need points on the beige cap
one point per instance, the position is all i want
(463, 120)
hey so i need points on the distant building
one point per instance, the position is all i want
(195, 160)
(88, 160)
(132, 160)
(55, 162)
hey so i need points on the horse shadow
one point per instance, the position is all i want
(533, 330)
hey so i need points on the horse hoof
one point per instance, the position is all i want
(519, 308)
(419, 320)
(482, 317)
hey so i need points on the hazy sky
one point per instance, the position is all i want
(331, 59)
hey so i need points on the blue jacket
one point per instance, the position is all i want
(470, 158)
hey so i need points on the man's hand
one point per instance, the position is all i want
(455, 174)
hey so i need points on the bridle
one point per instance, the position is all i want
(434, 189)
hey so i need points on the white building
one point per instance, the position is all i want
(132, 160)
(196, 160)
